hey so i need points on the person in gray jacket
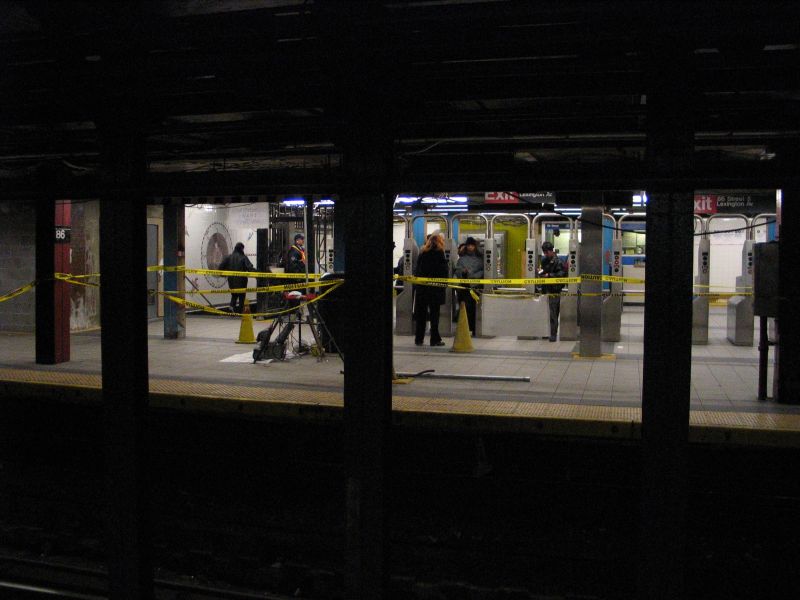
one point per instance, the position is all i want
(469, 266)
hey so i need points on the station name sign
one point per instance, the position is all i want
(517, 198)
(63, 234)
(748, 204)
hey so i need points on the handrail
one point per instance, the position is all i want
(540, 216)
(515, 215)
(440, 218)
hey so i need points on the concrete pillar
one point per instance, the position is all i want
(174, 256)
(591, 254)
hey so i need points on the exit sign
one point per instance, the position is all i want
(501, 198)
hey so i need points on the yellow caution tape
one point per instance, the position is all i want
(18, 292)
(255, 274)
(75, 280)
(218, 311)
(532, 281)
(258, 290)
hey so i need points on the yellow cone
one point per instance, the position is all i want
(462, 341)
(246, 328)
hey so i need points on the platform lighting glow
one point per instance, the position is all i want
(640, 199)
(458, 199)
(430, 200)
(405, 200)
(450, 209)
(325, 202)
(294, 202)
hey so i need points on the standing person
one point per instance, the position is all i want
(296, 256)
(237, 261)
(428, 299)
(469, 266)
(552, 267)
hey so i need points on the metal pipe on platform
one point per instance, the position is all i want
(469, 377)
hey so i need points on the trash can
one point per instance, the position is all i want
(332, 311)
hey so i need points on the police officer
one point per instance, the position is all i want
(296, 256)
(552, 267)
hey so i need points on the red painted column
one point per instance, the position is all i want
(52, 297)
(63, 264)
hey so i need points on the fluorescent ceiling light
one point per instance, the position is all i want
(405, 200)
(326, 202)
(430, 200)
(294, 202)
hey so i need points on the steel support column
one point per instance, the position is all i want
(367, 388)
(46, 344)
(339, 229)
(123, 262)
(667, 325)
(174, 256)
(591, 259)
(788, 353)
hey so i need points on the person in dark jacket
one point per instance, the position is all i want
(237, 261)
(552, 267)
(469, 266)
(429, 299)
(296, 256)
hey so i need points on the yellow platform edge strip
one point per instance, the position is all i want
(713, 427)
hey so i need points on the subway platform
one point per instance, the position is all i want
(208, 371)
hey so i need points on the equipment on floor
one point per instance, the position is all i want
(285, 325)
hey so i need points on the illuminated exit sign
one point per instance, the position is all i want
(501, 198)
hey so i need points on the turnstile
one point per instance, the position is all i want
(740, 324)
(404, 302)
(568, 319)
(740, 308)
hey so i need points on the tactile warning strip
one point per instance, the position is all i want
(439, 413)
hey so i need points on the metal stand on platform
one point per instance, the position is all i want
(274, 341)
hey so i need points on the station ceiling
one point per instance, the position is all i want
(248, 96)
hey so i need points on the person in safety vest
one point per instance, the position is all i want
(237, 261)
(552, 267)
(296, 256)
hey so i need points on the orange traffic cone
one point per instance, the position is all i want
(246, 335)
(463, 340)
